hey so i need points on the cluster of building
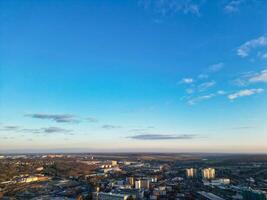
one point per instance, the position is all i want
(26, 179)
(165, 183)
(123, 179)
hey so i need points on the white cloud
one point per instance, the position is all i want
(216, 67)
(190, 91)
(240, 82)
(92, 119)
(244, 49)
(221, 92)
(200, 98)
(169, 7)
(203, 76)
(187, 80)
(243, 93)
(251, 78)
(264, 56)
(191, 8)
(204, 86)
(259, 77)
(232, 6)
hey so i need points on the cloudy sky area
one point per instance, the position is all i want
(163, 75)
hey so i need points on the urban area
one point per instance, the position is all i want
(133, 176)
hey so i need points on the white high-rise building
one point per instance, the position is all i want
(191, 172)
(114, 163)
(142, 184)
(208, 173)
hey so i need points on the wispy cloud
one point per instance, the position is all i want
(109, 126)
(264, 56)
(240, 82)
(169, 7)
(243, 93)
(244, 49)
(187, 80)
(91, 119)
(242, 127)
(60, 118)
(10, 128)
(191, 8)
(31, 130)
(259, 77)
(203, 76)
(138, 130)
(233, 6)
(206, 85)
(216, 67)
(36, 131)
(248, 78)
(55, 130)
(162, 137)
(190, 90)
(6, 138)
(198, 85)
(198, 99)
(46, 130)
(142, 129)
(221, 92)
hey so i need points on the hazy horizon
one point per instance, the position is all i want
(125, 151)
(139, 76)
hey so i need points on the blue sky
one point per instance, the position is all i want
(163, 75)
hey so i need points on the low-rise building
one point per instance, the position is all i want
(109, 196)
(250, 194)
(209, 196)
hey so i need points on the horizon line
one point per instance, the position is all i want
(68, 151)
